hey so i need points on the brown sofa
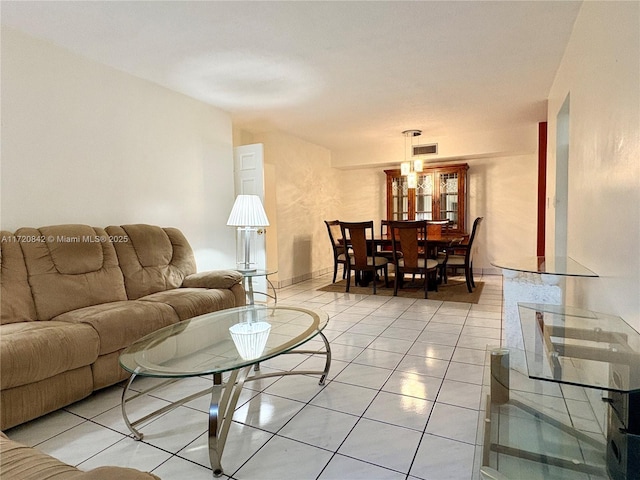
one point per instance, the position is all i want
(19, 462)
(73, 297)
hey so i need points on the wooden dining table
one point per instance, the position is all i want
(444, 239)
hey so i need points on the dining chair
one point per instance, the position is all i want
(386, 251)
(444, 224)
(435, 229)
(339, 257)
(361, 251)
(461, 256)
(406, 238)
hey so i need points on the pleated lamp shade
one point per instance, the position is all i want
(248, 211)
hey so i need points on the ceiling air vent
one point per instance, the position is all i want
(425, 149)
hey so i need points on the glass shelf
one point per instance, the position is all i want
(564, 266)
(580, 347)
(257, 272)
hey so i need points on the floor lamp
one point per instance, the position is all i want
(247, 215)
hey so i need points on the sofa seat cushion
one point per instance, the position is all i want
(191, 302)
(33, 351)
(119, 324)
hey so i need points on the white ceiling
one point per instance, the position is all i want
(336, 73)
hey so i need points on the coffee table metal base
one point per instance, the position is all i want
(224, 398)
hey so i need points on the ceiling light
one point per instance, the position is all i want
(410, 168)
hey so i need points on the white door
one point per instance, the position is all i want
(249, 180)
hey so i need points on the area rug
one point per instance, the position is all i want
(454, 291)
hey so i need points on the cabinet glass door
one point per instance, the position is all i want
(424, 197)
(449, 198)
(440, 194)
(400, 198)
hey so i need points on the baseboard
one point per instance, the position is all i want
(489, 271)
(287, 282)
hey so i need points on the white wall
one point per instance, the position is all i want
(85, 143)
(600, 72)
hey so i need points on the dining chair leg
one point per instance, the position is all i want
(426, 285)
(348, 280)
(335, 271)
(374, 282)
(473, 283)
(395, 284)
(467, 274)
(386, 276)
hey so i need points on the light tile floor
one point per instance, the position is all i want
(403, 401)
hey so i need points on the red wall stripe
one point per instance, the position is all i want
(542, 186)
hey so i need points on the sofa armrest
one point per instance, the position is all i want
(20, 462)
(109, 473)
(213, 279)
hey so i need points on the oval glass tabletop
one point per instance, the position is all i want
(204, 345)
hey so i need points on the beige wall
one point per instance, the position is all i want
(503, 190)
(84, 143)
(305, 188)
(600, 72)
(389, 151)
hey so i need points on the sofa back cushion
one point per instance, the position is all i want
(16, 302)
(152, 259)
(70, 267)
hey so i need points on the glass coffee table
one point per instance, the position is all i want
(235, 341)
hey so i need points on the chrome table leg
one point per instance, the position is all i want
(224, 398)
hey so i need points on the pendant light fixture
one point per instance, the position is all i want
(410, 168)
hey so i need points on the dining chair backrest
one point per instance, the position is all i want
(359, 235)
(405, 239)
(474, 234)
(438, 226)
(434, 230)
(335, 234)
(384, 228)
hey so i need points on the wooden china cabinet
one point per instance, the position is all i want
(441, 194)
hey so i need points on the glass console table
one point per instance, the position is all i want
(535, 280)
(542, 419)
(563, 266)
